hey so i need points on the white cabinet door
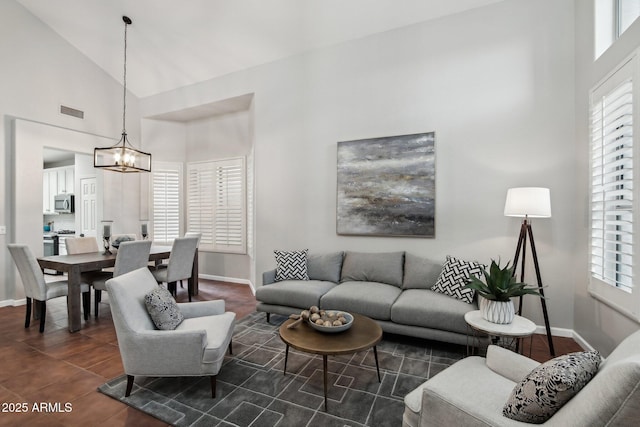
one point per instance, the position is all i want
(46, 202)
(53, 189)
(70, 180)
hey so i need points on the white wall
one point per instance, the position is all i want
(598, 324)
(40, 71)
(495, 84)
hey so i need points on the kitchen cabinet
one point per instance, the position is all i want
(65, 178)
(56, 181)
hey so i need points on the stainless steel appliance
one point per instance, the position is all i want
(64, 203)
(62, 237)
(51, 247)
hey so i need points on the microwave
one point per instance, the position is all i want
(64, 203)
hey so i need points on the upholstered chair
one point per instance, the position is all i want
(85, 245)
(195, 348)
(130, 256)
(36, 288)
(180, 265)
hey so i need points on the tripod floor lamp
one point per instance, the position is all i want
(529, 202)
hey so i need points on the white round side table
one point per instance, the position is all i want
(505, 335)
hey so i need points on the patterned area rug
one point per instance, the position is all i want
(252, 390)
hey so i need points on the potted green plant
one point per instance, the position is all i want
(496, 291)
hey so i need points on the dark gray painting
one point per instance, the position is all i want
(386, 186)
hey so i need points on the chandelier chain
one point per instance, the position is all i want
(124, 97)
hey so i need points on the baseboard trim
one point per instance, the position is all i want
(230, 280)
(565, 333)
(13, 302)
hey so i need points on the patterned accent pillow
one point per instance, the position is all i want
(162, 308)
(454, 276)
(291, 265)
(549, 386)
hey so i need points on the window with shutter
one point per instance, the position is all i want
(216, 205)
(166, 201)
(613, 205)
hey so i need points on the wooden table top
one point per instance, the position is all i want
(363, 334)
(95, 260)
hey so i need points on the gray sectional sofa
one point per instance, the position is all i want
(392, 288)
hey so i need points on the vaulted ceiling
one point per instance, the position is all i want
(175, 43)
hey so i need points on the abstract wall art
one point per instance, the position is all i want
(386, 186)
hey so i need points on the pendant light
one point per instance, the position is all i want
(122, 157)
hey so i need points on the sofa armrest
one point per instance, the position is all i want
(510, 365)
(202, 308)
(269, 277)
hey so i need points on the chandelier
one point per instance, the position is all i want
(122, 157)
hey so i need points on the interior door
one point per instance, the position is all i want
(88, 214)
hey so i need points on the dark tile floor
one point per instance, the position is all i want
(59, 371)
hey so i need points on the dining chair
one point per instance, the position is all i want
(85, 245)
(191, 234)
(180, 266)
(131, 256)
(36, 288)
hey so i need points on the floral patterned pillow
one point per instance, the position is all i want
(549, 386)
(162, 308)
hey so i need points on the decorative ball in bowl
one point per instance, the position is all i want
(331, 321)
(118, 240)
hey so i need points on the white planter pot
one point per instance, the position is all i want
(501, 312)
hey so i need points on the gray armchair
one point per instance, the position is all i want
(473, 391)
(195, 348)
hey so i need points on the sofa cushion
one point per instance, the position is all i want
(429, 309)
(549, 386)
(291, 265)
(420, 273)
(373, 267)
(219, 330)
(372, 299)
(455, 275)
(162, 309)
(294, 293)
(325, 266)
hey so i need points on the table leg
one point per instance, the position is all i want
(73, 300)
(286, 357)
(193, 280)
(324, 367)
(375, 354)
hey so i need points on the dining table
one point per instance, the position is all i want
(76, 264)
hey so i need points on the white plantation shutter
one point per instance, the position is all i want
(612, 186)
(614, 206)
(166, 201)
(217, 204)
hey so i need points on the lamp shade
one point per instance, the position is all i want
(533, 202)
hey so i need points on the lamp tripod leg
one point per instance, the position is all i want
(525, 230)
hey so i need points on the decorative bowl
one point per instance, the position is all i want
(334, 329)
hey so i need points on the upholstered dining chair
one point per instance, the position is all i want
(180, 265)
(36, 288)
(196, 347)
(85, 245)
(191, 234)
(131, 256)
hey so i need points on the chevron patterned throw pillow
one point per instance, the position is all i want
(291, 265)
(454, 276)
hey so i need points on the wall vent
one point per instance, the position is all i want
(71, 112)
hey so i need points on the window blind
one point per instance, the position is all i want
(612, 199)
(166, 179)
(216, 204)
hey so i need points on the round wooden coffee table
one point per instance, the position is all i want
(364, 334)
